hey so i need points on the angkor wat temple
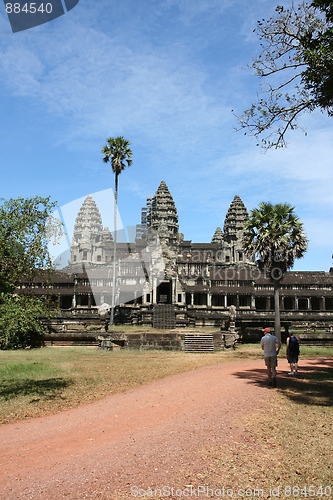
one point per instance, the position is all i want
(196, 282)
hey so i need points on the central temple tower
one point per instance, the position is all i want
(160, 215)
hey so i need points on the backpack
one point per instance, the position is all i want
(293, 345)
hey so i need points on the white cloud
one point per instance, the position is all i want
(101, 84)
(21, 70)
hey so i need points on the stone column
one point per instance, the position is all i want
(173, 290)
(154, 291)
(268, 303)
(282, 302)
(209, 299)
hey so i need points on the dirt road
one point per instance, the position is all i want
(154, 436)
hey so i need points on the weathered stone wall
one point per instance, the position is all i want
(168, 341)
(84, 329)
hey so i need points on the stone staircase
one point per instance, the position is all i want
(164, 317)
(202, 342)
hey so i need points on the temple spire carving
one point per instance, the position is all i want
(91, 243)
(236, 218)
(218, 236)
(160, 215)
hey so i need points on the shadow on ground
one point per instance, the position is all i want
(313, 384)
(46, 389)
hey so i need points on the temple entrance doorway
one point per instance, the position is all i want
(163, 293)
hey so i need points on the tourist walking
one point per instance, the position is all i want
(271, 346)
(292, 353)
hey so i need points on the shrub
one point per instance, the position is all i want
(20, 321)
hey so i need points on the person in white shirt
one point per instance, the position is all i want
(271, 346)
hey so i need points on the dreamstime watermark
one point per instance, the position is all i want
(226, 492)
(24, 15)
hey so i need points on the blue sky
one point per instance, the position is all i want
(165, 74)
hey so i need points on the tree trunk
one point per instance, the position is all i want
(277, 324)
(114, 269)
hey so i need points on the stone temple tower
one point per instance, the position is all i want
(236, 218)
(218, 236)
(233, 229)
(160, 214)
(91, 243)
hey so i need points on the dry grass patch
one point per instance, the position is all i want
(287, 446)
(285, 449)
(44, 381)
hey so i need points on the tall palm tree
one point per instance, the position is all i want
(274, 236)
(117, 152)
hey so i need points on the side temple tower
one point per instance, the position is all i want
(91, 243)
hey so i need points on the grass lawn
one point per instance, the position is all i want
(43, 381)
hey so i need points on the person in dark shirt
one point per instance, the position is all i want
(292, 352)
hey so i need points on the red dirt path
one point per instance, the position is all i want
(152, 436)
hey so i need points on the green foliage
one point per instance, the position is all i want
(296, 68)
(26, 227)
(20, 321)
(318, 55)
(118, 153)
(274, 235)
(28, 368)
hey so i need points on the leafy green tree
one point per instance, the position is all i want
(274, 236)
(118, 153)
(296, 68)
(20, 321)
(26, 227)
(318, 55)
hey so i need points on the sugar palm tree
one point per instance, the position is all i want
(117, 152)
(274, 236)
